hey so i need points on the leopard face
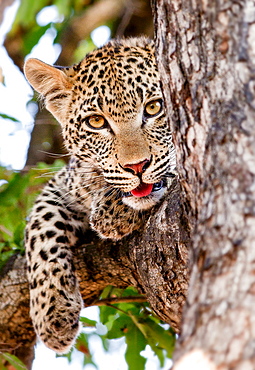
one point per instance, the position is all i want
(112, 113)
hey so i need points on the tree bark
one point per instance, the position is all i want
(154, 260)
(17, 333)
(206, 59)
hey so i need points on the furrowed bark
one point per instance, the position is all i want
(154, 260)
(206, 59)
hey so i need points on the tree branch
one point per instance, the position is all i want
(153, 260)
(81, 26)
(115, 300)
(17, 333)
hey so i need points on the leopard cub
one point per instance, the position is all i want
(122, 162)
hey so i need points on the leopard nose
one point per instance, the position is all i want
(137, 168)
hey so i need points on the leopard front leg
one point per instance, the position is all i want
(111, 218)
(55, 299)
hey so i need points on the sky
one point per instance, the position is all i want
(15, 94)
(14, 137)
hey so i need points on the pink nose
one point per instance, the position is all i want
(138, 167)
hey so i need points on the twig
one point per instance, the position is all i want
(114, 300)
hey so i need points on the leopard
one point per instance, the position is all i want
(122, 164)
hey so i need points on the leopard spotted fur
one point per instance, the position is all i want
(113, 119)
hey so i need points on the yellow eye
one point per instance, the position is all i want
(153, 107)
(96, 122)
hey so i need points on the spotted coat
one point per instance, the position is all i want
(112, 115)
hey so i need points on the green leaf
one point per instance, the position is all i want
(27, 11)
(82, 344)
(14, 361)
(135, 340)
(87, 322)
(119, 327)
(105, 342)
(5, 116)
(64, 7)
(106, 293)
(18, 235)
(14, 190)
(107, 314)
(2, 367)
(17, 196)
(135, 344)
(130, 291)
(158, 337)
(84, 47)
(130, 308)
(32, 38)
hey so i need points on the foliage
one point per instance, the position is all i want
(15, 363)
(17, 194)
(5, 116)
(136, 323)
(132, 321)
(26, 24)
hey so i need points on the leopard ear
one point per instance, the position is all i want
(52, 83)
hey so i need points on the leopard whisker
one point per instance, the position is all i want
(82, 196)
(47, 174)
(60, 155)
(76, 189)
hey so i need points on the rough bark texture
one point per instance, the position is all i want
(17, 333)
(206, 56)
(154, 260)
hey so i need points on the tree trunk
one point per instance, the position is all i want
(206, 57)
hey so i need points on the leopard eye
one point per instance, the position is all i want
(96, 122)
(153, 107)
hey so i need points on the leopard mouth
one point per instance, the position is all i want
(144, 189)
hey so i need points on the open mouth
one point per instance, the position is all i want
(144, 189)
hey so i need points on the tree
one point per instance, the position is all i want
(206, 60)
(205, 55)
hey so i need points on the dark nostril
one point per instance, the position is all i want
(137, 168)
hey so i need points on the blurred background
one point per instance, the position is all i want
(58, 32)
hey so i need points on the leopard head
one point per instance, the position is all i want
(112, 114)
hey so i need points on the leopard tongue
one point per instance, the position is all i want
(142, 190)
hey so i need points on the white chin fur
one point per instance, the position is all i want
(144, 203)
